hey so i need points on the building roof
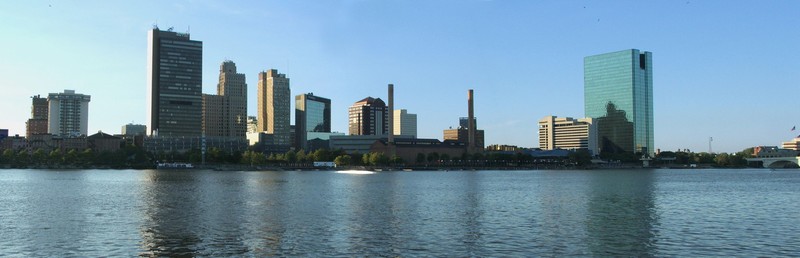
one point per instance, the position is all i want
(102, 135)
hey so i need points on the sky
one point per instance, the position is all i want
(723, 69)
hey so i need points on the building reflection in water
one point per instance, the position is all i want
(169, 226)
(621, 213)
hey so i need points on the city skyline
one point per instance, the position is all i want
(711, 78)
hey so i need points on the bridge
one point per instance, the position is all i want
(778, 162)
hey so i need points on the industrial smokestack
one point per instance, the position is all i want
(391, 113)
(471, 117)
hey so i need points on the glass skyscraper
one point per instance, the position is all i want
(312, 114)
(618, 93)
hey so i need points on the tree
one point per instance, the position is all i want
(343, 160)
(365, 159)
(301, 156)
(580, 157)
(38, 156)
(396, 160)
(8, 156)
(55, 157)
(433, 156)
(420, 158)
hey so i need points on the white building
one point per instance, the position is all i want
(68, 114)
(405, 123)
(568, 133)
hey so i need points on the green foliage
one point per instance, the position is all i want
(343, 160)
(580, 157)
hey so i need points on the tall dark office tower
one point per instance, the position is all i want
(311, 114)
(369, 116)
(618, 94)
(174, 78)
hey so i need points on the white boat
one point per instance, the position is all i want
(174, 165)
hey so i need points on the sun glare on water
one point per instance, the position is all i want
(356, 172)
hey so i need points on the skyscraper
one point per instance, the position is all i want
(618, 94)
(274, 96)
(174, 78)
(311, 114)
(225, 114)
(68, 114)
(405, 123)
(37, 124)
(369, 116)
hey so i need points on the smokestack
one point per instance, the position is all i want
(471, 117)
(391, 113)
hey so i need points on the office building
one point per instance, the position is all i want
(225, 114)
(37, 124)
(794, 144)
(368, 116)
(405, 123)
(462, 135)
(174, 78)
(274, 96)
(312, 114)
(68, 114)
(567, 133)
(618, 95)
(134, 129)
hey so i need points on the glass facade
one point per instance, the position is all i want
(312, 114)
(618, 93)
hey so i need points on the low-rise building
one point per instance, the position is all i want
(568, 133)
(134, 129)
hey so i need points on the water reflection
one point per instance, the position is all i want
(172, 201)
(621, 213)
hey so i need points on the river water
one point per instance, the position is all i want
(685, 213)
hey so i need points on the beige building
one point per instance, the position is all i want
(794, 144)
(274, 103)
(568, 133)
(68, 114)
(405, 123)
(225, 114)
(462, 135)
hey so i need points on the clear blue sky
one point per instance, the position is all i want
(727, 69)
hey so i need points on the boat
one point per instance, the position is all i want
(174, 165)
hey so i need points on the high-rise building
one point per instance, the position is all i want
(68, 114)
(311, 114)
(174, 78)
(37, 124)
(405, 123)
(369, 116)
(225, 114)
(618, 95)
(567, 133)
(274, 96)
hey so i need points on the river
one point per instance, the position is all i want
(747, 212)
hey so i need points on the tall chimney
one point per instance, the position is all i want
(391, 113)
(471, 117)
